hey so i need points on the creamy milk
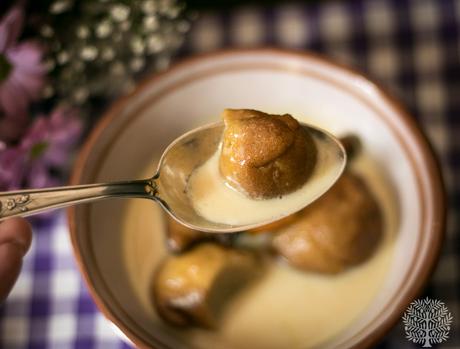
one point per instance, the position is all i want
(286, 308)
(216, 201)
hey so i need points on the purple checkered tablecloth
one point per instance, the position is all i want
(411, 46)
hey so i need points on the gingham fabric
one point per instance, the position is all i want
(411, 46)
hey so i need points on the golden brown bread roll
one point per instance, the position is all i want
(193, 288)
(341, 229)
(265, 155)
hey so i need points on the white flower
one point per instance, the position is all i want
(119, 12)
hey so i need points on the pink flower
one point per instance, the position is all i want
(45, 148)
(22, 75)
(12, 167)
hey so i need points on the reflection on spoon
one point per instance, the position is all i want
(169, 184)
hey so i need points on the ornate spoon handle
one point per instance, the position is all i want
(29, 202)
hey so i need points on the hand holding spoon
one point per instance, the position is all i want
(168, 186)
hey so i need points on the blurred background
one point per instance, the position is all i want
(62, 62)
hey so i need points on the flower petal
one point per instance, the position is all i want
(12, 168)
(12, 129)
(11, 27)
(28, 71)
(13, 100)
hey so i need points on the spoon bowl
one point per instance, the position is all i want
(192, 149)
(169, 185)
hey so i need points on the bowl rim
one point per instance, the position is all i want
(434, 176)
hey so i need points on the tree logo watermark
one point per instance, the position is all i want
(427, 321)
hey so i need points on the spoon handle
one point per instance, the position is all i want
(33, 201)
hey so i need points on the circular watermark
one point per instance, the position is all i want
(427, 321)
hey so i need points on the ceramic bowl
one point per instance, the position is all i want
(119, 243)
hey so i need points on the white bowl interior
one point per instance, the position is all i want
(194, 94)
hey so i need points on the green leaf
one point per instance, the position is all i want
(38, 150)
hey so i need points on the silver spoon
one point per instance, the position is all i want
(168, 185)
